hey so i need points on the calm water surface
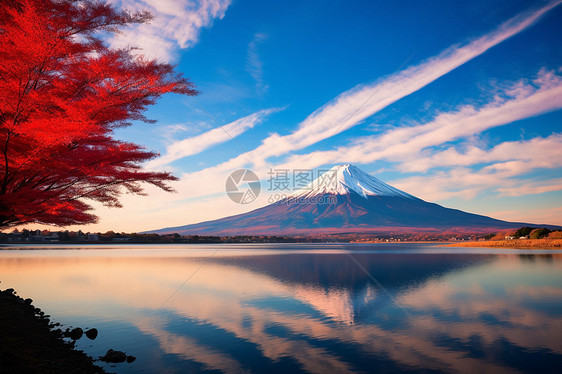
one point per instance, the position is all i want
(278, 308)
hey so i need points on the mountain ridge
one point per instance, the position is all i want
(345, 199)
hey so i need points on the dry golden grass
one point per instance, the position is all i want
(555, 235)
(502, 234)
(547, 243)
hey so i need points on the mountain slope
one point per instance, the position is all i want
(345, 199)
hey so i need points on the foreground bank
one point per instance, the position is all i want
(29, 343)
(516, 243)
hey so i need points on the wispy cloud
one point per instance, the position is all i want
(254, 64)
(473, 169)
(551, 216)
(466, 183)
(352, 107)
(542, 152)
(197, 144)
(531, 188)
(176, 25)
(404, 145)
(170, 133)
(502, 170)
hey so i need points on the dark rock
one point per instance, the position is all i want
(114, 356)
(29, 345)
(76, 333)
(92, 333)
(131, 359)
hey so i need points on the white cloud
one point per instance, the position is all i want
(199, 143)
(254, 64)
(411, 148)
(543, 152)
(176, 25)
(355, 105)
(552, 216)
(508, 164)
(359, 103)
(170, 132)
(531, 188)
(405, 145)
(466, 183)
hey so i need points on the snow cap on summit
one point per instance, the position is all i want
(346, 178)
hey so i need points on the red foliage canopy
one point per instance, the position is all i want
(62, 93)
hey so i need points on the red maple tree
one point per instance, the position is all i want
(62, 93)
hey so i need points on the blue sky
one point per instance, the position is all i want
(456, 102)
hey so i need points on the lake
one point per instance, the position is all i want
(289, 308)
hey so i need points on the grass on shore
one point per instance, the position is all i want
(515, 243)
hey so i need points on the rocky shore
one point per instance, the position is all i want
(30, 343)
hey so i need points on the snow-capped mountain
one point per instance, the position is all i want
(345, 199)
(345, 179)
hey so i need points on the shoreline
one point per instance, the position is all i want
(514, 243)
(546, 244)
(30, 343)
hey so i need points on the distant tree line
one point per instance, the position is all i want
(526, 232)
(532, 232)
(66, 236)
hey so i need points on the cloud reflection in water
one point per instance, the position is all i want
(310, 312)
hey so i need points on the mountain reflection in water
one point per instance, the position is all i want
(302, 310)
